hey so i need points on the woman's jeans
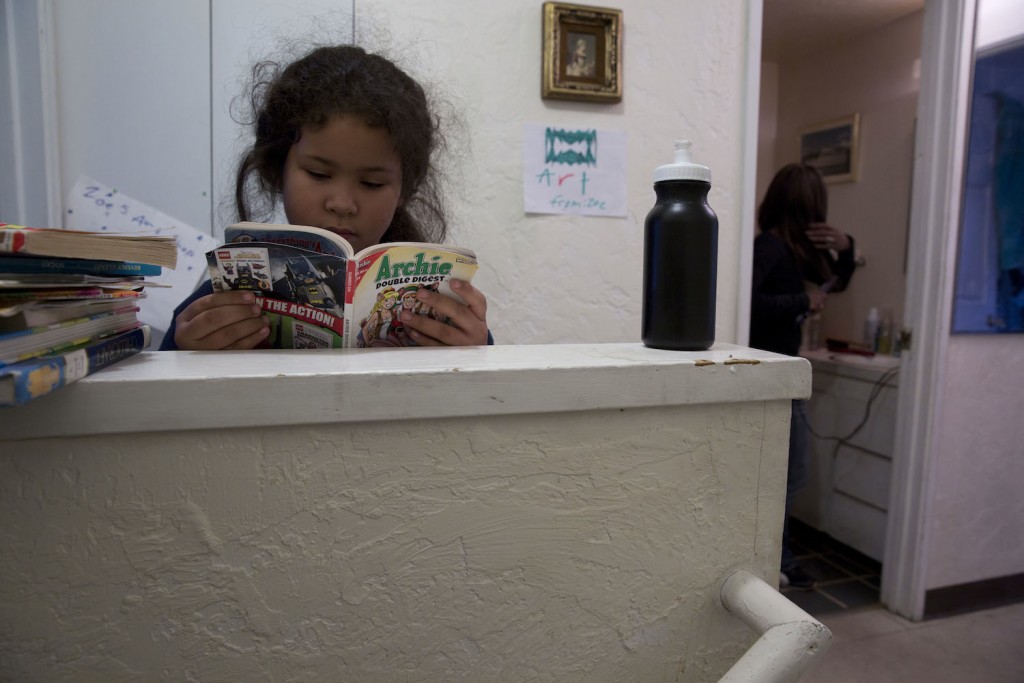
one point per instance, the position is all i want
(796, 475)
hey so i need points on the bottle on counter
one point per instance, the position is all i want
(871, 324)
(814, 332)
(885, 333)
(680, 257)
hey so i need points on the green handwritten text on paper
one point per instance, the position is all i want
(570, 147)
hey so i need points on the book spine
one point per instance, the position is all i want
(33, 317)
(11, 241)
(7, 337)
(41, 376)
(38, 265)
(350, 289)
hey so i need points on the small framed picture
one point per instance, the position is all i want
(831, 147)
(582, 53)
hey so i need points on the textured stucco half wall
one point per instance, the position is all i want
(584, 546)
(555, 279)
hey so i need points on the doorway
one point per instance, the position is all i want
(822, 63)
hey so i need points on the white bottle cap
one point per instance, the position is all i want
(683, 168)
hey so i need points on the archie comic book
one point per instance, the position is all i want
(318, 294)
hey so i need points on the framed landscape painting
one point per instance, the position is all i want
(831, 147)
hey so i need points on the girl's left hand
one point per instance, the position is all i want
(467, 323)
(824, 236)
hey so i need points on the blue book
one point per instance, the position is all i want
(77, 266)
(28, 380)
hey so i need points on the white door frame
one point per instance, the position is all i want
(31, 191)
(946, 57)
(748, 200)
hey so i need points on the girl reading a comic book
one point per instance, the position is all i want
(346, 141)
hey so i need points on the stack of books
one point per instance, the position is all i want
(69, 304)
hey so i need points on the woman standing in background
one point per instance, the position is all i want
(795, 245)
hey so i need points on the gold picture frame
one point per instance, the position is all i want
(832, 147)
(582, 53)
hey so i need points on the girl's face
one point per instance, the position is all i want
(344, 177)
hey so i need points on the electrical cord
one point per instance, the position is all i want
(876, 389)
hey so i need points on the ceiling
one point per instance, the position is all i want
(794, 29)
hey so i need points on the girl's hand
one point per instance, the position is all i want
(824, 236)
(467, 323)
(223, 320)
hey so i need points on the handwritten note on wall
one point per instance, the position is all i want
(574, 170)
(96, 207)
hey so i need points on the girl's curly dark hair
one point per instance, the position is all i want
(344, 80)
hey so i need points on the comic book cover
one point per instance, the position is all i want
(317, 294)
(301, 292)
(385, 281)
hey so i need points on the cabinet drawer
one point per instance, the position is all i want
(860, 526)
(838, 405)
(862, 475)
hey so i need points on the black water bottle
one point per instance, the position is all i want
(680, 258)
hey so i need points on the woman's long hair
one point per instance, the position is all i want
(796, 198)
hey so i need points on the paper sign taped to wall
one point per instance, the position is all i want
(574, 170)
(96, 207)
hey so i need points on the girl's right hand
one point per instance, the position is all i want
(223, 320)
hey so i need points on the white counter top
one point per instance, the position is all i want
(170, 391)
(868, 368)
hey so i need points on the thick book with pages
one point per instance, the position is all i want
(150, 249)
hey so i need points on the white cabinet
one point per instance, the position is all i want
(145, 90)
(847, 494)
(133, 101)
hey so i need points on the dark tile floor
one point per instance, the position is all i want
(844, 578)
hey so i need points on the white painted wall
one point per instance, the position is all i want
(571, 279)
(976, 506)
(23, 184)
(875, 76)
